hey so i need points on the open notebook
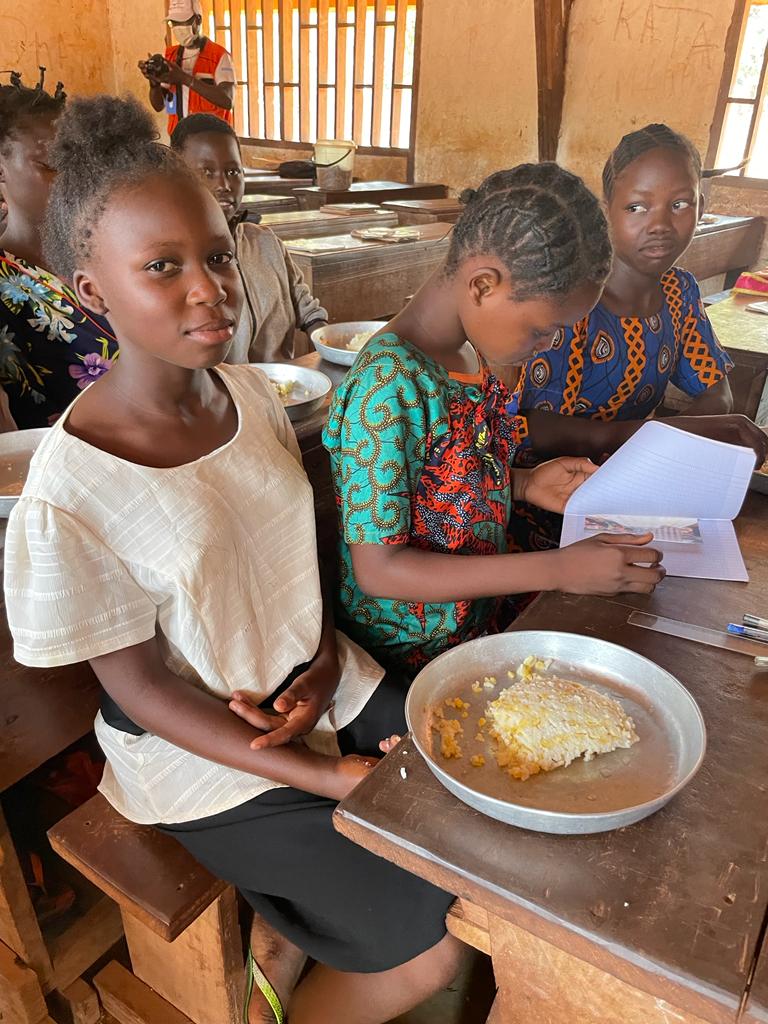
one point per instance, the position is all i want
(685, 489)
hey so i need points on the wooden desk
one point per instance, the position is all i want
(316, 224)
(426, 211)
(650, 924)
(370, 280)
(744, 335)
(274, 185)
(313, 197)
(729, 246)
(263, 204)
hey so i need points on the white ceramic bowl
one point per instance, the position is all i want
(331, 341)
(309, 390)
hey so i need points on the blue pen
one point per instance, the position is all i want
(752, 634)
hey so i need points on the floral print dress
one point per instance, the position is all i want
(50, 347)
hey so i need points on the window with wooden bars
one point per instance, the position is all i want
(320, 69)
(741, 119)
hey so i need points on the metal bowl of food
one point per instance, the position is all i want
(340, 343)
(611, 790)
(16, 450)
(302, 391)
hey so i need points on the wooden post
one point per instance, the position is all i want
(551, 23)
(82, 1002)
(200, 972)
(21, 997)
(19, 929)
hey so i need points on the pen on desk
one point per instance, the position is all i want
(752, 634)
(755, 621)
(761, 662)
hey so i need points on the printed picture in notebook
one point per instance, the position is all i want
(666, 529)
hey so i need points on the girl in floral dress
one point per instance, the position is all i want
(50, 347)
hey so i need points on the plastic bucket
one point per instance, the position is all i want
(335, 162)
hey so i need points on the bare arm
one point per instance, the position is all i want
(221, 95)
(156, 96)
(156, 90)
(551, 434)
(166, 705)
(601, 565)
(715, 401)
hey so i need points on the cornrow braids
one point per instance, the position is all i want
(19, 103)
(544, 225)
(635, 144)
(104, 144)
(198, 124)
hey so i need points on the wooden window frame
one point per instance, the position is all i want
(733, 42)
(274, 80)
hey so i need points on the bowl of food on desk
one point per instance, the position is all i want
(340, 343)
(555, 732)
(301, 390)
(16, 450)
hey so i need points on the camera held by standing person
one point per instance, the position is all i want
(195, 75)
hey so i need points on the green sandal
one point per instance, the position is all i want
(255, 978)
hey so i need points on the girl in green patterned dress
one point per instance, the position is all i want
(422, 436)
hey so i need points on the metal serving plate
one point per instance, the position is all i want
(309, 391)
(331, 341)
(610, 791)
(16, 450)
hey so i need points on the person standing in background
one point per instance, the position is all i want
(200, 77)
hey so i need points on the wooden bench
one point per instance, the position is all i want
(180, 922)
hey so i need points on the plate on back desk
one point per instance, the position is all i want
(608, 792)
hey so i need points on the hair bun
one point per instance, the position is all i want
(467, 195)
(101, 130)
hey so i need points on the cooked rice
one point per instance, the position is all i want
(542, 722)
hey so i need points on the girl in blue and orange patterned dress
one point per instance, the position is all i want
(608, 372)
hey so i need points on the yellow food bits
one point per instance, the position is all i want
(477, 761)
(449, 730)
(458, 703)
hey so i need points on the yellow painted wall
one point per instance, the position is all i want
(137, 29)
(91, 45)
(70, 37)
(477, 103)
(630, 63)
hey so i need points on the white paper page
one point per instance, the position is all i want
(717, 557)
(663, 471)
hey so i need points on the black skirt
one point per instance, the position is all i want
(340, 904)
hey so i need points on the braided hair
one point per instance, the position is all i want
(19, 103)
(544, 225)
(635, 144)
(198, 124)
(103, 145)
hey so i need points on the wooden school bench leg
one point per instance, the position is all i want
(19, 929)
(541, 984)
(201, 972)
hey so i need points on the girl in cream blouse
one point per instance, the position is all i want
(166, 535)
